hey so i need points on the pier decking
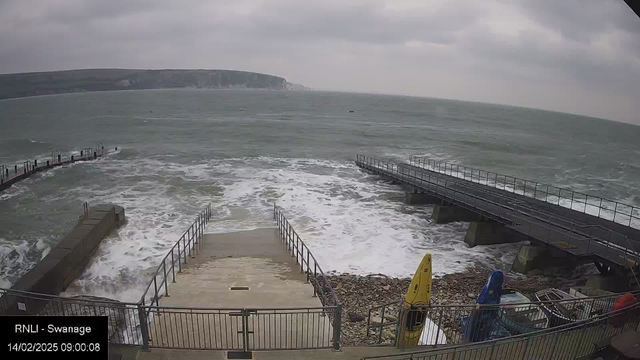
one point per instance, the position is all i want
(614, 241)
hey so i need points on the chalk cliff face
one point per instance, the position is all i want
(57, 82)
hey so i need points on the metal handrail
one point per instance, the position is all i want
(506, 212)
(572, 226)
(190, 240)
(631, 313)
(48, 297)
(321, 285)
(455, 312)
(297, 248)
(493, 306)
(511, 186)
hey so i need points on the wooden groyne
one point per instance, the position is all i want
(10, 175)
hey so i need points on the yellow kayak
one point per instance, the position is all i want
(419, 293)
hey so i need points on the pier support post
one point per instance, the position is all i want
(416, 198)
(489, 233)
(443, 214)
(529, 257)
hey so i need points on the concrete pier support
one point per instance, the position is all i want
(415, 198)
(489, 232)
(443, 214)
(529, 257)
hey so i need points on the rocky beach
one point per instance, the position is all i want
(360, 293)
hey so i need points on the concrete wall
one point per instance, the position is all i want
(65, 262)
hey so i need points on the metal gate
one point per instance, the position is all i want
(242, 329)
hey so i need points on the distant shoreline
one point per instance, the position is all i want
(23, 85)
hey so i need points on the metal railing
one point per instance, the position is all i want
(321, 285)
(149, 325)
(242, 329)
(8, 173)
(310, 266)
(611, 210)
(570, 341)
(124, 318)
(450, 324)
(186, 247)
(577, 238)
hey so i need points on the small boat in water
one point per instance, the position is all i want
(523, 316)
(561, 307)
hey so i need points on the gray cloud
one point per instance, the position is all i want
(579, 56)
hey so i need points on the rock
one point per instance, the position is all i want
(375, 320)
(355, 317)
(360, 294)
(388, 335)
(534, 272)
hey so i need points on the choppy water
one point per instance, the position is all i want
(242, 150)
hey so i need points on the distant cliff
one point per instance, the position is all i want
(58, 82)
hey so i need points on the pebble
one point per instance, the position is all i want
(359, 294)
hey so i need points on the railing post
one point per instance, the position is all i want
(308, 269)
(155, 286)
(144, 327)
(599, 207)
(179, 258)
(315, 277)
(184, 248)
(173, 263)
(546, 194)
(337, 328)
(166, 283)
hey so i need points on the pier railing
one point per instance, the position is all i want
(574, 237)
(186, 247)
(568, 342)
(11, 172)
(615, 211)
(449, 324)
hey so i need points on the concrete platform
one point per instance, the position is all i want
(273, 300)
(255, 259)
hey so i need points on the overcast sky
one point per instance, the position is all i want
(579, 56)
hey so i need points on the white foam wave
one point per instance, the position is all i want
(13, 191)
(352, 222)
(17, 257)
